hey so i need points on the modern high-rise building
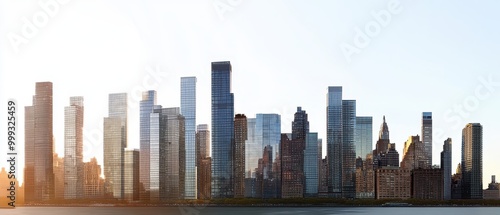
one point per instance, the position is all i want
(203, 162)
(268, 131)
(73, 149)
(472, 161)
(240, 137)
(253, 150)
(427, 137)
(115, 142)
(222, 130)
(348, 149)
(414, 155)
(148, 160)
(92, 182)
(131, 175)
(188, 110)
(334, 140)
(446, 167)
(311, 168)
(363, 137)
(39, 172)
(172, 154)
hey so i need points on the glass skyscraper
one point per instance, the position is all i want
(348, 150)
(188, 110)
(268, 131)
(427, 137)
(73, 149)
(115, 142)
(334, 140)
(364, 136)
(472, 161)
(253, 150)
(39, 143)
(222, 130)
(147, 157)
(311, 168)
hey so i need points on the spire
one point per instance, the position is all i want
(384, 131)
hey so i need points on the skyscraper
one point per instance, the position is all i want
(472, 161)
(131, 174)
(148, 158)
(427, 137)
(188, 110)
(115, 142)
(363, 138)
(446, 167)
(39, 172)
(203, 163)
(222, 130)
(172, 154)
(348, 150)
(240, 136)
(73, 149)
(253, 150)
(334, 140)
(311, 168)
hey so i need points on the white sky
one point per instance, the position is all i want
(284, 54)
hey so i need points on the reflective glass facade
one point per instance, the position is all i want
(311, 168)
(188, 110)
(348, 150)
(73, 149)
(222, 130)
(146, 160)
(364, 136)
(334, 140)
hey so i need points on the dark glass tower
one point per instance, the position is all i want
(348, 150)
(222, 130)
(334, 140)
(472, 161)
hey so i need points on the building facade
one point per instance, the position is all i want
(392, 183)
(149, 155)
(39, 172)
(427, 138)
(93, 184)
(203, 163)
(427, 184)
(222, 130)
(131, 174)
(73, 149)
(363, 137)
(188, 110)
(472, 161)
(446, 167)
(348, 149)
(311, 168)
(240, 137)
(414, 155)
(334, 140)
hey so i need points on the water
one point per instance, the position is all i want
(250, 211)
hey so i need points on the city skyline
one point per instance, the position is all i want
(377, 78)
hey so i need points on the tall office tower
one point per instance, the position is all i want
(472, 161)
(292, 160)
(253, 150)
(115, 142)
(311, 167)
(58, 177)
(363, 137)
(39, 172)
(131, 174)
(240, 136)
(203, 162)
(414, 156)
(73, 149)
(348, 150)
(446, 167)
(172, 153)
(93, 188)
(222, 130)
(427, 137)
(334, 140)
(268, 131)
(188, 110)
(149, 160)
